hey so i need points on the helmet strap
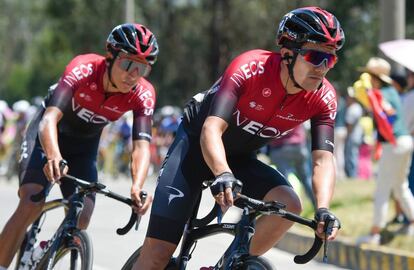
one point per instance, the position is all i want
(110, 65)
(291, 60)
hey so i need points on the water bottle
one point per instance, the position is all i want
(39, 251)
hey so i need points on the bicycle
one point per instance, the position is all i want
(237, 256)
(68, 239)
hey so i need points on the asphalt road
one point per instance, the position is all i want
(112, 250)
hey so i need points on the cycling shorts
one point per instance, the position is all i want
(80, 154)
(180, 184)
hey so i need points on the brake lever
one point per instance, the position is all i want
(329, 224)
(143, 196)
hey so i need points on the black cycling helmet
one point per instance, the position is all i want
(310, 24)
(135, 40)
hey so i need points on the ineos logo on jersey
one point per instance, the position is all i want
(246, 71)
(328, 97)
(147, 99)
(78, 73)
(257, 128)
(87, 115)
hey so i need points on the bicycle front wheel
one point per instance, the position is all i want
(76, 253)
(256, 263)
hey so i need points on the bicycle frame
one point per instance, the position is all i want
(68, 226)
(65, 229)
(238, 248)
(243, 231)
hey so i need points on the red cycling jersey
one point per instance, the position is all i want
(252, 99)
(87, 108)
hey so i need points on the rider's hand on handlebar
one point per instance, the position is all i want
(328, 224)
(139, 207)
(224, 188)
(55, 168)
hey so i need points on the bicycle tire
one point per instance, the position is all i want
(80, 246)
(255, 263)
(133, 258)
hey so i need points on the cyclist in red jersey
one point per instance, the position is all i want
(93, 91)
(261, 96)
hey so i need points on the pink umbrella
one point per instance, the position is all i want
(401, 51)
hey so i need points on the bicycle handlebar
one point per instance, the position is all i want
(97, 187)
(278, 209)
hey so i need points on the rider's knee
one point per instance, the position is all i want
(295, 206)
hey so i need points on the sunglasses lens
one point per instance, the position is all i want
(316, 58)
(129, 66)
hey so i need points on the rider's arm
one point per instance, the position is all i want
(212, 145)
(140, 158)
(48, 130)
(323, 177)
(140, 161)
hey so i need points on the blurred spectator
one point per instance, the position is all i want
(395, 159)
(353, 113)
(365, 149)
(290, 154)
(399, 81)
(340, 137)
(23, 113)
(408, 102)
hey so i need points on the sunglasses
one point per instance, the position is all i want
(317, 58)
(128, 65)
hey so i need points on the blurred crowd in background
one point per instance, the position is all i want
(355, 138)
(115, 144)
(367, 117)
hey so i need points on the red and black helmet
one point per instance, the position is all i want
(135, 40)
(310, 24)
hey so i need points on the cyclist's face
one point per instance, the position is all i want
(126, 72)
(312, 64)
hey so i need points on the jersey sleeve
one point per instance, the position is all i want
(141, 127)
(229, 90)
(142, 124)
(323, 123)
(75, 73)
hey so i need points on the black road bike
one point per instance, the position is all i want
(237, 256)
(69, 247)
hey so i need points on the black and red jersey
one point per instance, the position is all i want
(251, 98)
(86, 107)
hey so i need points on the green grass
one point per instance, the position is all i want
(353, 204)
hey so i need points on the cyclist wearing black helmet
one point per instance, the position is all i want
(93, 91)
(261, 96)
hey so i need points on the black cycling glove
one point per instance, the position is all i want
(224, 181)
(331, 221)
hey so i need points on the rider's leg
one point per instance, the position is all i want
(270, 229)
(155, 254)
(13, 233)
